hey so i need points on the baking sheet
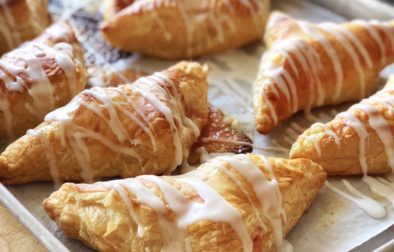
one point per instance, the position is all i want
(331, 224)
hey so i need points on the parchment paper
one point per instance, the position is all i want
(332, 223)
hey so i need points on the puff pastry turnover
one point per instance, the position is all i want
(38, 77)
(234, 203)
(358, 141)
(146, 127)
(310, 65)
(176, 29)
(21, 20)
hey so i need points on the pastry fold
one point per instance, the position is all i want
(234, 203)
(310, 65)
(357, 141)
(177, 29)
(38, 77)
(146, 127)
(21, 20)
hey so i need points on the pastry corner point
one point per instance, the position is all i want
(264, 123)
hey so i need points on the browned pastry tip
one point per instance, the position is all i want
(279, 26)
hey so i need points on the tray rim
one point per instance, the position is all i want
(29, 221)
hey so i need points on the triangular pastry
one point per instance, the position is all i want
(146, 127)
(38, 77)
(233, 203)
(21, 20)
(176, 29)
(358, 141)
(309, 65)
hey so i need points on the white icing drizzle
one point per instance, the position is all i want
(9, 29)
(277, 75)
(166, 33)
(146, 87)
(381, 187)
(255, 209)
(49, 155)
(388, 30)
(190, 212)
(293, 50)
(267, 191)
(358, 126)
(146, 197)
(212, 207)
(316, 34)
(350, 35)
(297, 50)
(125, 198)
(194, 13)
(382, 128)
(41, 89)
(375, 36)
(288, 140)
(157, 89)
(63, 53)
(332, 30)
(292, 133)
(368, 205)
(297, 127)
(219, 210)
(315, 138)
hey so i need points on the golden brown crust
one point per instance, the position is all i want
(97, 215)
(158, 28)
(27, 19)
(42, 48)
(289, 49)
(27, 159)
(344, 158)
